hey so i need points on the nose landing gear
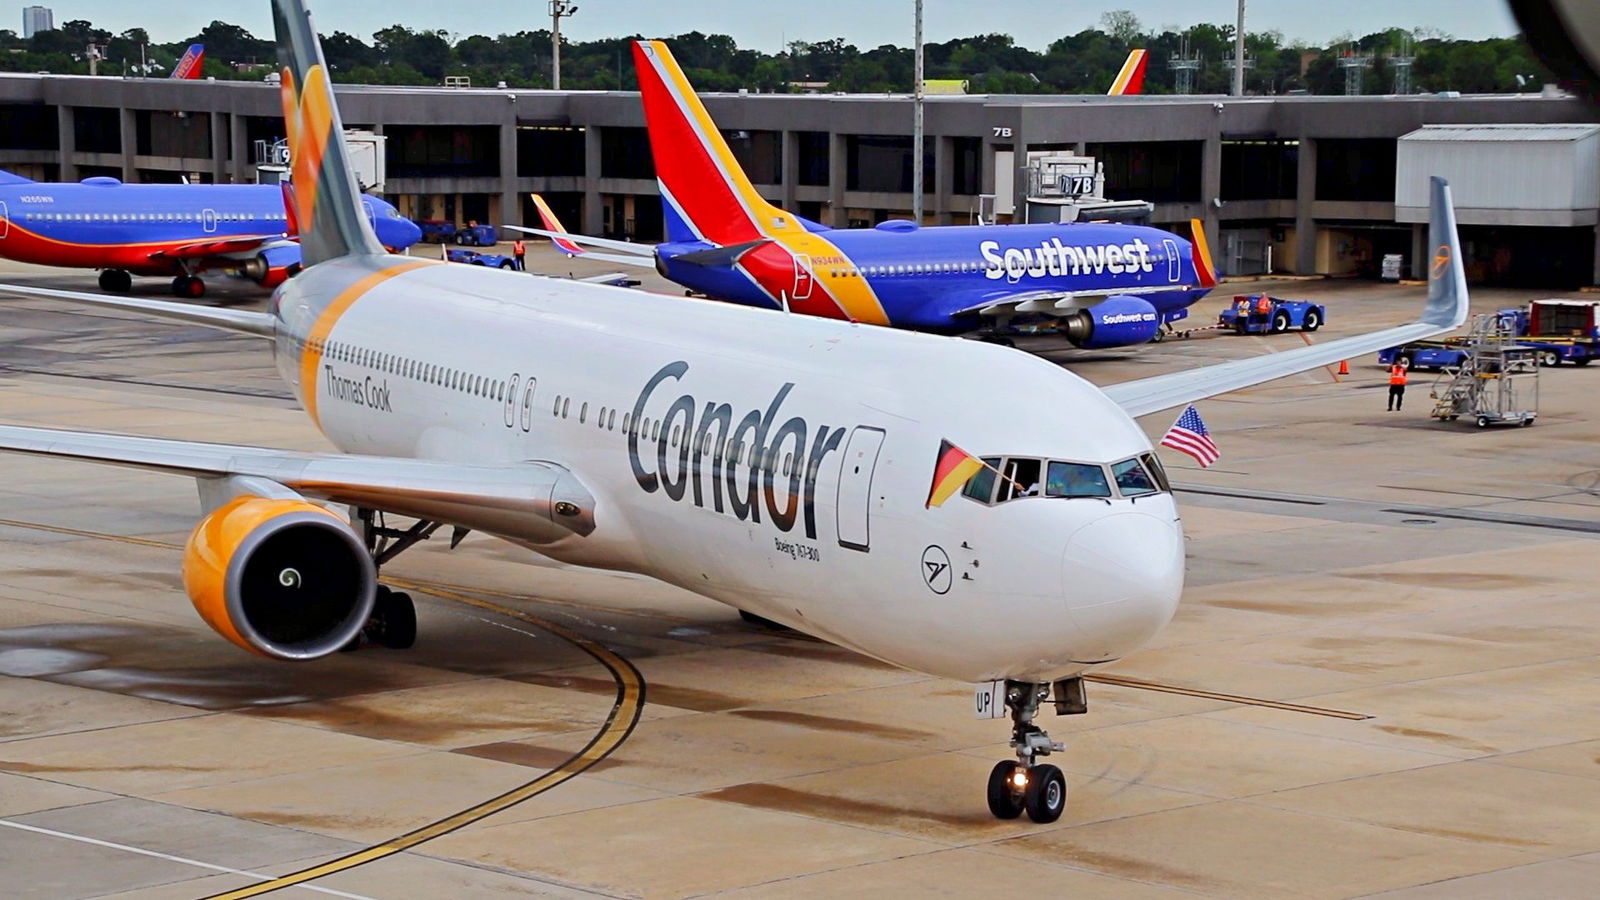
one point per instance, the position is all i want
(1024, 784)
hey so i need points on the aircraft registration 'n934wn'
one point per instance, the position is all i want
(1107, 285)
(170, 230)
(793, 467)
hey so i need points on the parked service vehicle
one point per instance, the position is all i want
(474, 258)
(1261, 314)
(1556, 330)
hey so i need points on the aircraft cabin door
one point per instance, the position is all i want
(5, 220)
(1174, 264)
(855, 487)
(802, 277)
(208, 220)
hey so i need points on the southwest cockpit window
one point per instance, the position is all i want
(1132, 479)
(1076, 480)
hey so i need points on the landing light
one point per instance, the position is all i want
(1019, 778)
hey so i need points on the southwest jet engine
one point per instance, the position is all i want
(1114, 322)
(284, 578)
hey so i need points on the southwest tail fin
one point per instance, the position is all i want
(190, 66)
(706, 194)
(1130, 80)
(327, 203)
(12, 178)
(1200, 251)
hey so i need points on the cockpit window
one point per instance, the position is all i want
(1132, 479)
(1021, 479)
(981, 486)
(1157, 471)
(1076, 480)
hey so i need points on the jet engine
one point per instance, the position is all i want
(272, 266)
(1114, 322)
(284, 578)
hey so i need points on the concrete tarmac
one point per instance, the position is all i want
(1381, 682)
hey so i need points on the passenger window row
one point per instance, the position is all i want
(945, 268)
(152, 217)
(415, 370)
(1006, 478)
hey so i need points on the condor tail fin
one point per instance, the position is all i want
(706, 194)
(327, 202)
(1130, 81)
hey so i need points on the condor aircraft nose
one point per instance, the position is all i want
(1122, 576)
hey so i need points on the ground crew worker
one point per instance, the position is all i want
(520, 251)
(1397, 385)
(1264, 304)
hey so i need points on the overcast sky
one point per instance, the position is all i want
(754, 23)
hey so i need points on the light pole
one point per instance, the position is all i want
(1238, 54)
(559, 9)
(916, 126)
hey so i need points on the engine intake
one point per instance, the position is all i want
(282, 578)
(1114, 322)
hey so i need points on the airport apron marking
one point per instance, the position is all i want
(619, 724)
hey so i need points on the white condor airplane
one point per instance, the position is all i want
(779, 464)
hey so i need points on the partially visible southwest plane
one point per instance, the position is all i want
(190, 66)
(1108, 285)
(1130, 79)
(174, 231)
(802, 469)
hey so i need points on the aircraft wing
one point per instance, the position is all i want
(561, 237)
(1446, 311)
(254, 323)
(243, 243)
(1003, 303)
(477, 495)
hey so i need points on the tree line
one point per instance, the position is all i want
(1085, 62)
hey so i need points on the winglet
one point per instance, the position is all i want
(1200, 250)
(327, 201)
(1130, 80)
(1447, 273)
(553, 224)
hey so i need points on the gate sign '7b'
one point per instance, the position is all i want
(1002, 131)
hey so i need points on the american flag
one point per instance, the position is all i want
(1189, 435)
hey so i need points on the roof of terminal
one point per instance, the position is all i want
(1518, 133)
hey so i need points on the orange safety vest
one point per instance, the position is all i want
(516, 248)
(1264, 304)
(1397, 374)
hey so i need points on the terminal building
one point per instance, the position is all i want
(1294, 184)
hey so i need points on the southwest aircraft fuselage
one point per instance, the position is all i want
(755, 458)
(935, 279)
(162, 229)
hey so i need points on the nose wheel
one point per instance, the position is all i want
(1024, 784)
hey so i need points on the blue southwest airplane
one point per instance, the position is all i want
(1106, 285)
(169, 230)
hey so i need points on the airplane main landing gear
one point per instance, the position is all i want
(115, 281)
(393, 623)
(1023, 784)
(188, 286)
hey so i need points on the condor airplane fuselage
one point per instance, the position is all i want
(1107, 285)
(798, 468)
(169, 230)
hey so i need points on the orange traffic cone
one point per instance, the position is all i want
(1344, 367)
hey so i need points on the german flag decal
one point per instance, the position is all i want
(951, 471)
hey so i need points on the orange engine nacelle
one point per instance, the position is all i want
(279, 577)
